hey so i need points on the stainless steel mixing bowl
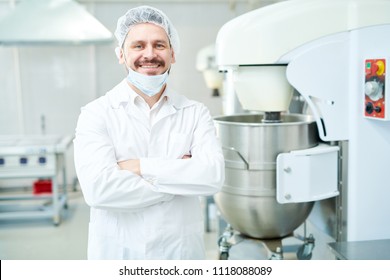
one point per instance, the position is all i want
(248, 198)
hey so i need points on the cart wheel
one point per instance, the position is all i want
(56, 221)
(224, 256)
(304, 252)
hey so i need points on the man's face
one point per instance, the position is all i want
(147, 49)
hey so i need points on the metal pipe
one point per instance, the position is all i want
(18, 91)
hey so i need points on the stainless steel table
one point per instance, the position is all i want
(361, 250)
(34, 156)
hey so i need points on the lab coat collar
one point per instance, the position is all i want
(122, 94)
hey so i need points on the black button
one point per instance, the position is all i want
(23, 160)
(2, 161)
(369, 108)
(378, 109)
(42, 160)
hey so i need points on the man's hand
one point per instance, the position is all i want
(132, 165)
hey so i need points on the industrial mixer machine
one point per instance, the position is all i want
(279, 164)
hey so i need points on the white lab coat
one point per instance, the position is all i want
(158, 215)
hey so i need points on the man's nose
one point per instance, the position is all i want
(149, 52)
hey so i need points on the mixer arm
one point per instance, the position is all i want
(307, 175)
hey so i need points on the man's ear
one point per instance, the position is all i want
(173, 57)
(119, 55)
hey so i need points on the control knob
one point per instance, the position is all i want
(374, 90)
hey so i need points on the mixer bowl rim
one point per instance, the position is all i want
(301, 120)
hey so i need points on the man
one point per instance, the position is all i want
(144, 154)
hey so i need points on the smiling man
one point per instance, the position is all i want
(144, 154)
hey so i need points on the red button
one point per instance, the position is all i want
(374, 68)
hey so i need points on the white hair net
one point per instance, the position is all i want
(146, 14)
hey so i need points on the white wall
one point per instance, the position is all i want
(55, 81)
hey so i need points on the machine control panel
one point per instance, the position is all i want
(374, 89)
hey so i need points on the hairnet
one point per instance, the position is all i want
(146, 14)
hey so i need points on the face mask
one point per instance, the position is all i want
(150, 85)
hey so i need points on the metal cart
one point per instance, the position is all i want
(34, 157)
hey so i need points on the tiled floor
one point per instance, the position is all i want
(39, 239)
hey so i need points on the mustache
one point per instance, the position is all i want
(151, 61)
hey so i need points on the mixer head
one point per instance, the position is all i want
(263, 88)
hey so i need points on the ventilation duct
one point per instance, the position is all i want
(38, 22)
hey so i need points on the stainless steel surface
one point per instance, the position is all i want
(31, 155)
(342, 199)
(247, 200)
(361, 250)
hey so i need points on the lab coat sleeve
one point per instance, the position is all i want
(103, 183)
(202, 174)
